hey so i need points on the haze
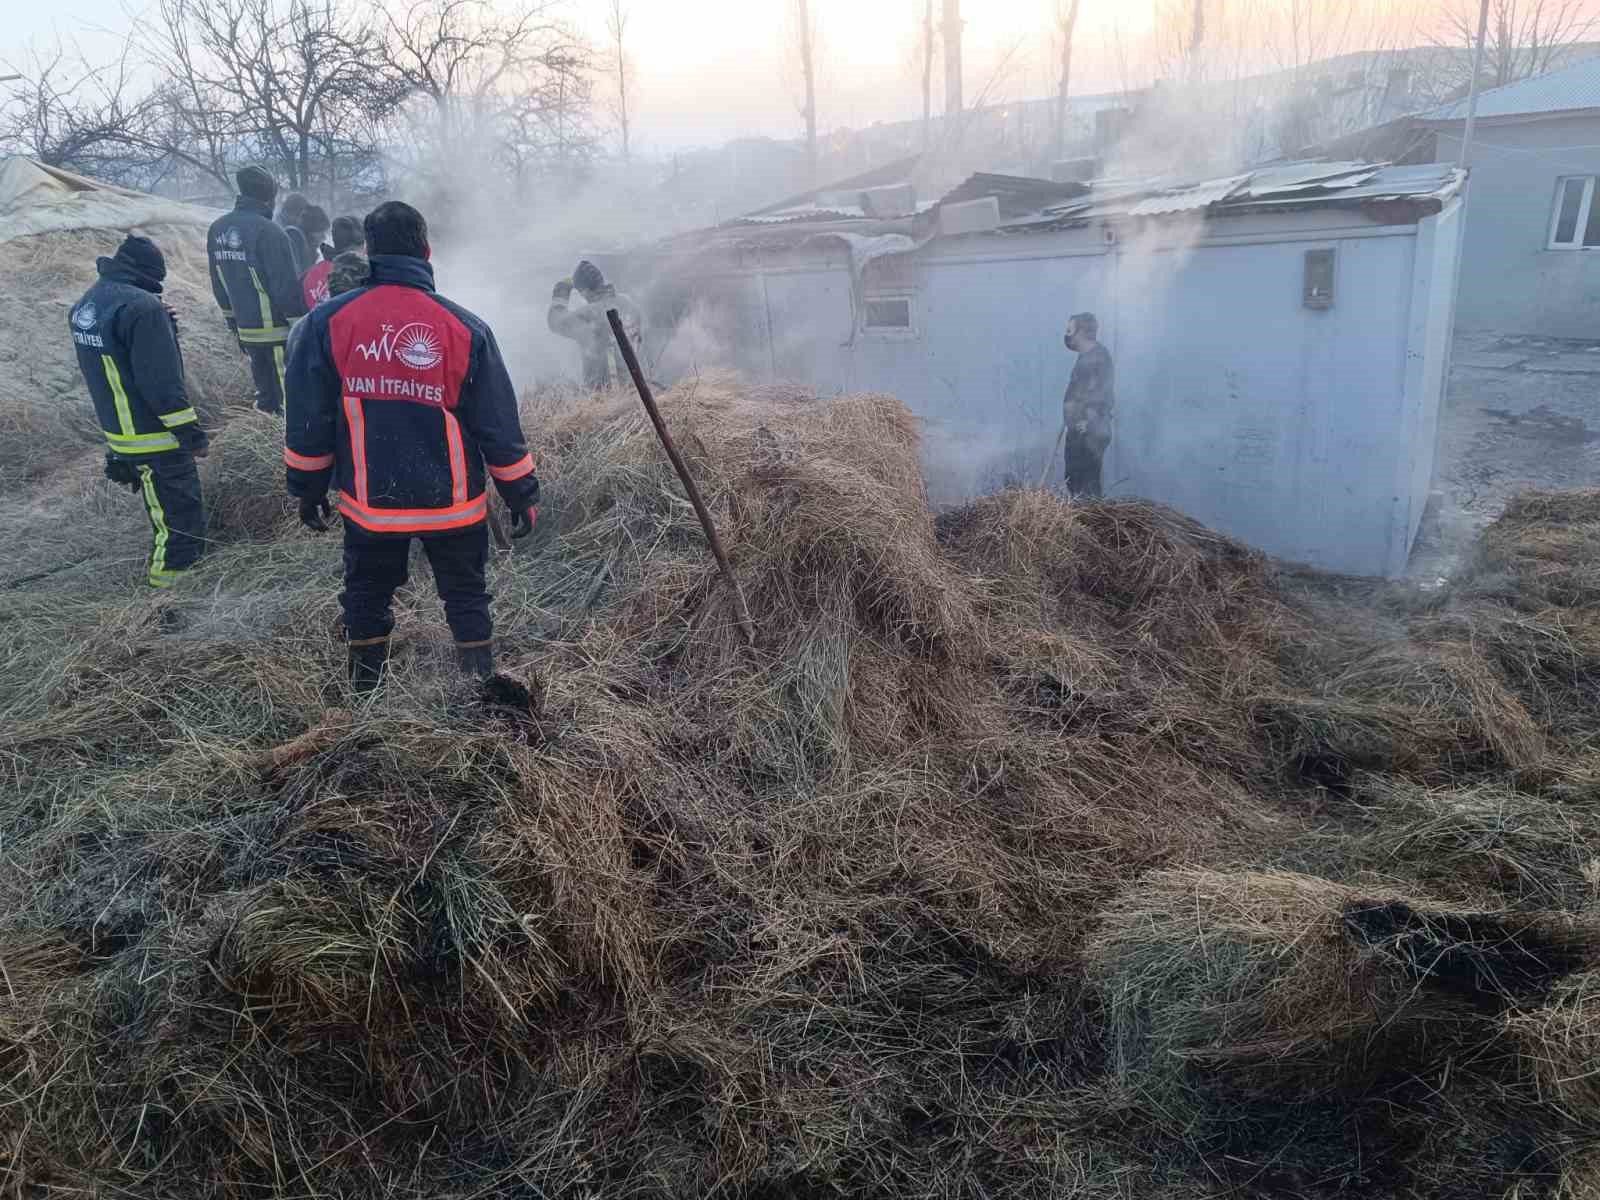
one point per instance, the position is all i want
(707, 71)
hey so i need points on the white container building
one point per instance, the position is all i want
(1281, 339)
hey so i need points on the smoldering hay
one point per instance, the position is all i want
(1036, 849)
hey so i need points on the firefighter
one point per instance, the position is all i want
(312, 226)
(588, 325)
(127, 343)
(288, 219)
(348, 237)
(1087, 406)
(256, 284)
(400, 402)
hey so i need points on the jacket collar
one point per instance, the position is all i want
(401, 269)
(251, 204)
(115, 270)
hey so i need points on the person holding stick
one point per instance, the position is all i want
(1087, 406)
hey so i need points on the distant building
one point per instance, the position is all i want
(1531, 259)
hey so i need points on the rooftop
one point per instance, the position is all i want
(1025, 205)
(1568, 89)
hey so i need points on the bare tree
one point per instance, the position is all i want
(67, 112)
(510, 89)
(1066, 30)
(279, 79)
(1525, 37)
(617, 16)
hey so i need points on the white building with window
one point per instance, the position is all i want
(1531, 262)
(1281, 338)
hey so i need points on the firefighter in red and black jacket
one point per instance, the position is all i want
(399, 400)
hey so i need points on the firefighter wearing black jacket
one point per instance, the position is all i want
(256, 282)
(399, 400)
(127, 343)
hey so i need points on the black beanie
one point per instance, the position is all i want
(143, 256)
(348, 233)
(256, 183)
(587, 278)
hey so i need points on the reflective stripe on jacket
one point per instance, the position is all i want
(128, 353)
(253, 273)
(399, 399)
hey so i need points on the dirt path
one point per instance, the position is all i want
(1520, 413)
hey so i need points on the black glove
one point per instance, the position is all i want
(315, 511)
(563, 291)
(122, 472)
(523, 520)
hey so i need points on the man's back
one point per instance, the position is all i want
(1092, 386)
(253, 273)
(403, 394)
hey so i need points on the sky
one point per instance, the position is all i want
(707, 71)
(710, 70)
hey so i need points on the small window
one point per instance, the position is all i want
(1575, 224)
(888, 314)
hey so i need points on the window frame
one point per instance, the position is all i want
(1585, 207)
(890, 333)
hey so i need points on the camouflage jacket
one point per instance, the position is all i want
(589, 328)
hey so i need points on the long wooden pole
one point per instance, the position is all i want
(628, 356)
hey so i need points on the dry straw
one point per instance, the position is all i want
(1034, 849)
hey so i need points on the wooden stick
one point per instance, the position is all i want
(1054, 454)
(497, 530)
(649, 400)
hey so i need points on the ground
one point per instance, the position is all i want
(1520, 412)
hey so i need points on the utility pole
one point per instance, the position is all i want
(808, 70)
(927, 76)
(952, 60)
(1197, 40)
(1477, 73)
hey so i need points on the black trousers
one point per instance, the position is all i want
(169, 483)
(1082, 466)
(376, 567)
(266, 370)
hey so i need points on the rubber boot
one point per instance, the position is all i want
(369, 660)
(475, 658)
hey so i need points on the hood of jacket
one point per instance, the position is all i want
(250, 204)
(119, 270)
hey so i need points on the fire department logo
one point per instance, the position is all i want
(85, 317)
(418, 347)
(233, 240)
(415, 345)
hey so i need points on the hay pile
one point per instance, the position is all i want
(45, 414)
(1034, 850)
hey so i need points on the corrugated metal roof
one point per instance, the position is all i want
(1292, 185)
(1390, 183)
(1200, 195)
(1574, 87)
(1294, 177)
(1017, 194)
